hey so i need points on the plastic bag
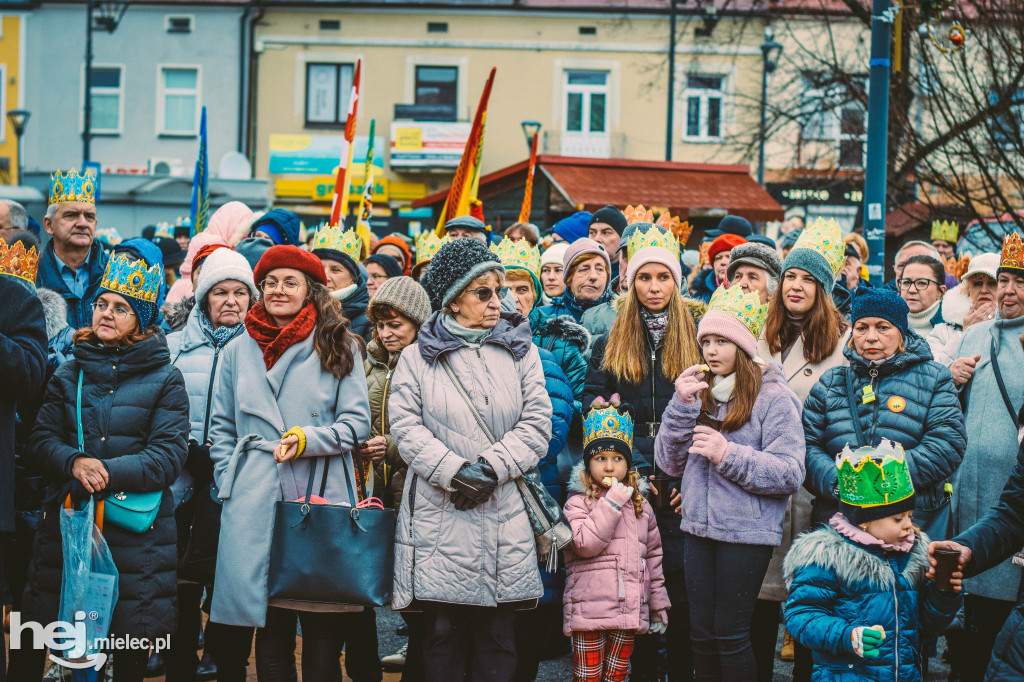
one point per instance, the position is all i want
(88, 590)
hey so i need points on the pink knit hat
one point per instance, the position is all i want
(728, 327)
(653, 254)
(583, 247)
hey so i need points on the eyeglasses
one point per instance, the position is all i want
(916, 284)
(290, 286)
(485, 294)
(120, 312)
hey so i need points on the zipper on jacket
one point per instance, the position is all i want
(622, 581)
(873, 373)
(209, 395)
(412, 501)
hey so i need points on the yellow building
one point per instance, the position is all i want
(12, 90)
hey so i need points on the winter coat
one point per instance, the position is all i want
(992, 440)
(704, 285)
(135, 419)
(836, 585)
(600, 319)
(567, 341)
(60, 335)
(483, 556)
(252, 409)
(915, 405)
(353, 305)
(567, 304)
(176, 313)
(801, 376)
(743, 498)
(945, 337)
(23, 368)
(614, 577)
(48, 276)
(562, 413)
(388, 474)
(993, 540)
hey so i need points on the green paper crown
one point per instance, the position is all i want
(874, 476)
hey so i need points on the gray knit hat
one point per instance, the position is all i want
(454, 266)
(757, 255)
(403, 294)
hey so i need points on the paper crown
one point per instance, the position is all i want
(164, 229)
(428, 244)
(132, 278)
(109, 236)
(958, 266)
(653, 237)
(874, 476)
(72, 187)
(337, 238)
(518, 254)
(945, 230)
(746, 308)
(638, 214)
(825, 237)
(608, 423)
(1013, 252)
(18, 262)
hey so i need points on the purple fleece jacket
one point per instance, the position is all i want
(743, 499)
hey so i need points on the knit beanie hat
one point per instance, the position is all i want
(790, 238)
(224, 264)
(171, 252)
(397, 244)
(403, 294)
(556, 254)
(881, 302)
(341, 257)
(282, 256)
(582, 247)
(757, 255)
(609, 215)
(725, 242)
(654, 254)
(761, 239)
(820, 250)
(205, 252)
(736, 316)
(280, 225)
(454, 266)
(574, 227)
(391, 266)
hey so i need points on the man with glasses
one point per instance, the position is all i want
(989, 371)
(922, 286)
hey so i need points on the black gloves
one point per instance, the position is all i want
(198, 462)
(474, 484)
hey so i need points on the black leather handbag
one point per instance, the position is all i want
(331, 553)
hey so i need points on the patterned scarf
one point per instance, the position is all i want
(221, 335)
(657, 323)
(274, 340)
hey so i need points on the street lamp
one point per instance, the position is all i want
(19, 119)
(770, 53)
(530, 128)
(105, 14)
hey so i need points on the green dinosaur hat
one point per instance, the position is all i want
(874, 482)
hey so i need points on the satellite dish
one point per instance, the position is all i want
(234, 166)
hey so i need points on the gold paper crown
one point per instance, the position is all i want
(638, 214)
(610, 422)
(825, 237)
(337, 238)
(72, 187)
(746, 308)
(17, 262)
(518, 254)
(427, 244)
(653, 237)
(1013, 252)
(945, 231)
(132, 278)
(681, 229)
(958, 266)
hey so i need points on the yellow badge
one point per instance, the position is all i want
(869, 394)
(896, 403)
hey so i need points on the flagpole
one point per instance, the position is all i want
(524, 212)
(339, 203)
(199, 212)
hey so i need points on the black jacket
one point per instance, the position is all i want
(135, 419)
(23, 368)
(48, 276)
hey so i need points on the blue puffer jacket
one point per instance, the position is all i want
(915, 405)
(567, 341)
(836, 585)
(560, 392)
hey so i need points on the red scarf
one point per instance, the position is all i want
(274, 340)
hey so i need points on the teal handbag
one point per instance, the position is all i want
(135, 512)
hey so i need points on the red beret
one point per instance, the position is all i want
(204, 253)
(726, 242)
(287, 256)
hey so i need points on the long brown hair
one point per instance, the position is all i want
(627, 352)
(823, 326)
(632, 480)
(332, 340)
(748, 384)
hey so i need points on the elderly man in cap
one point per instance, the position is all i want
(466, 226)
(606, 228)
(754, 267)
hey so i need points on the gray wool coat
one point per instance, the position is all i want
(252, 409)
(483, 556)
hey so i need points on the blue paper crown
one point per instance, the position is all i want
(72, 187)
(608, 423)
(132, 278)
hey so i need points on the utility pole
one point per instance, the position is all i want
(876, 166)
(87, 113)
(670, 114)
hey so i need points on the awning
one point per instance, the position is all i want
(685, 189)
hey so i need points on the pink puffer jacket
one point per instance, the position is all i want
(614, 579)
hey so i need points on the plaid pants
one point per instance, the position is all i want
(601, 656)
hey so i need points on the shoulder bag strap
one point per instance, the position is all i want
(465, 396)
(1002, 386)
(78, 412)
(851, 396)
(353, 490)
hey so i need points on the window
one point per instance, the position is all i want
(330, 24)
(1006, 125)
(704, 107)
(585, 114)
(853, 135)
(178, 24)
(107, 97)
(328, 88)
(588, 30)
(178, 105)
(437, 87)
(831, 111)
(437, 27)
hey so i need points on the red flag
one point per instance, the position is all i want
(524, 212)
(339, 205)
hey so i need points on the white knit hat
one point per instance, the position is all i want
(556, 254)
(221, 265)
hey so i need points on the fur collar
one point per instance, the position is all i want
(565, 328)
(851, 563)
(576, 485)
(955, 305)
(55, 310)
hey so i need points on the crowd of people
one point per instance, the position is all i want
(741, 437)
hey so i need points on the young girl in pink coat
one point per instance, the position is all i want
(614, 587)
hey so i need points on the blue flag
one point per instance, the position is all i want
(200, 213)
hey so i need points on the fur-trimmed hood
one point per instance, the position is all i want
(575, 484)
(567, 329)
(955, 304)
(55, 309)
(850, 563)
(176, 314)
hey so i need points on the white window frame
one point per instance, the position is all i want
(162, 92)
(588, 91)
(341, 114)
(825, 119)
(705, 95)
(120, 101)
